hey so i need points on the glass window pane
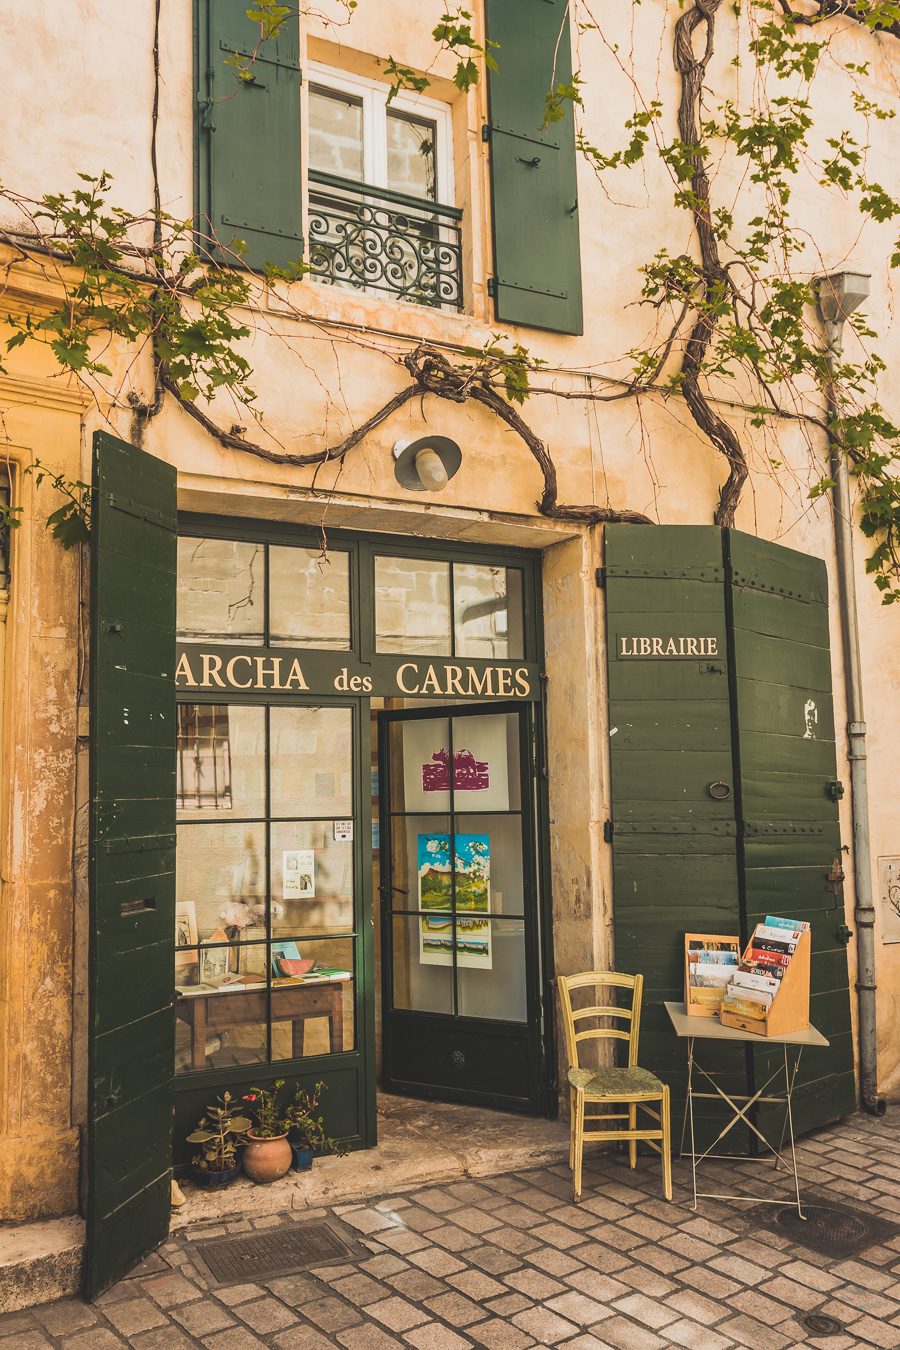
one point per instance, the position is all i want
(420, 869)
(335, 133)
(489, 850)
(220, 883)
(423, 974)
(486, 762)
(420, 775)
(309, 598)
(221, 766)
(221, 584)
(220, 1008)
(312, 997)
(311, 768)
(411, 155)
(412, 606)
(490, 976)
(312, 878)
(488, 614)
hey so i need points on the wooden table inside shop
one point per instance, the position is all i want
(295, 1003)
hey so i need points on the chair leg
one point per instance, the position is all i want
(632, 1143)
(571, 1129)
(665, 1146)
(579, 1143)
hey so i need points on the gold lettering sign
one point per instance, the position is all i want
(286, 673)
(650, 646)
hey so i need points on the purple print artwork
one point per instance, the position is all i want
(469, 774)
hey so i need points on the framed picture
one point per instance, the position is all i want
(215, 962)
(186, 933)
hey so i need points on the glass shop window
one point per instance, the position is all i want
(265, 881)
(432, 608)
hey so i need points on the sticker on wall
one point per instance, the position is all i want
(810, 719)
(343, 831)
(471, 880)
(480, 764)
(298, 873)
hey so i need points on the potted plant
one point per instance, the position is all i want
(267, 1156)
(220, 1134)
(307, 1130)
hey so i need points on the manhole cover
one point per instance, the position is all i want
(830, 1228)
(278, 1251)
(820, 1324)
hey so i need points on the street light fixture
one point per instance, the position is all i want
(837, 296)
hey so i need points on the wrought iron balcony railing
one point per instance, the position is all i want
(372, 239)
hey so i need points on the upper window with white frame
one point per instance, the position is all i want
(381, 213)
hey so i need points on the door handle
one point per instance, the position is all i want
(719, 791)
(529, 163)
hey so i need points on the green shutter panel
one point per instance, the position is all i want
(784, 738)
(249, 137)
(534, 192)
(132, 858)
(674, 863)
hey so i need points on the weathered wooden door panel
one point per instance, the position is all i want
(674, 866)
(787, 790)
(132, 858)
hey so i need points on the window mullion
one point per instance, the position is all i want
(375, 137)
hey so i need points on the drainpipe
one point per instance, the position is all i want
(838, 296)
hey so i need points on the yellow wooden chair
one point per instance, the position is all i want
(632, 1087)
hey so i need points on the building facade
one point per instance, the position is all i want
(324, 765)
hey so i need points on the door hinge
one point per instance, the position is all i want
(608, 828)
(492, 286)
(600, 577)
(485, 131)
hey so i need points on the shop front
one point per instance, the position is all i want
(356, 854)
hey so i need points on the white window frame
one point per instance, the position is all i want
(374, 97)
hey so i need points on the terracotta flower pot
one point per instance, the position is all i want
(266, 1160)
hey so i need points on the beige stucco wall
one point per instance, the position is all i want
(324, 359)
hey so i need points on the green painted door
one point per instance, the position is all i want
(132, 858)
(722, 767)
(787, 791)
(674, 854)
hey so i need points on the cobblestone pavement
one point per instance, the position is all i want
(508, 1262)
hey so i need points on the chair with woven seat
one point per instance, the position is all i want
(632, 1087)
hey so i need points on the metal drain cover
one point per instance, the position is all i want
(279, 1251)
(821, 1324)
(830, 1228)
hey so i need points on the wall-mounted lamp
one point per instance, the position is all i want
(837, 296)
(426, 464)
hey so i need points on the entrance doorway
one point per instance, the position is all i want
(461, 971)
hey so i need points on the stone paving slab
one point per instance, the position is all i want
(509, 1262)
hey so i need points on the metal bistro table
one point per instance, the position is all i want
(710, 1029)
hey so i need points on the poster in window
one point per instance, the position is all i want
(298, 873)
(471, 879)
(480, 764)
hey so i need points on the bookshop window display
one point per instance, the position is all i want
(292, 663)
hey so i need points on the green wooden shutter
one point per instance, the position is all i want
(132, 858)
(674, 863)
(784, 739)
(249, 137)
(534, 193)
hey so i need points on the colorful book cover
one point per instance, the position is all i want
(791, 935)
(742, 1007)
(746, 979)
(764, 944)
(763, 956)
(704, 954)
(796, 925)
